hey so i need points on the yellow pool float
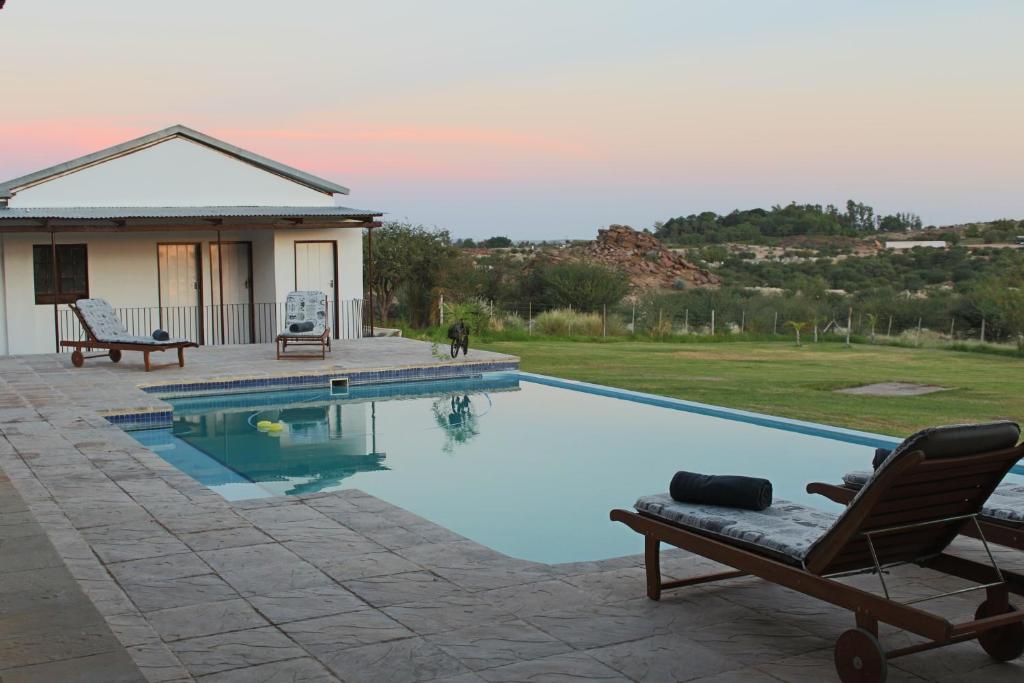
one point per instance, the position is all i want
(263, 425)
(275, 427)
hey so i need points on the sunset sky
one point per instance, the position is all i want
(547, 119)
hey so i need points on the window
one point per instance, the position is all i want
(72, 273)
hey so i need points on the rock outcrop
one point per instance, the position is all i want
(647, 262)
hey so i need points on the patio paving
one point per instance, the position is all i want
(344, 586)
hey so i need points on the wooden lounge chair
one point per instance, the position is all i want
(1001, 519)
(104, 330)
(299, 308)
(909, 512)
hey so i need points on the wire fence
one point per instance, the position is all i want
(651, 319)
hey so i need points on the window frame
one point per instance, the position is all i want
(58, 296)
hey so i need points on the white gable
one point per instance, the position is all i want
(176, 172)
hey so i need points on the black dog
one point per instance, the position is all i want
(459, 336)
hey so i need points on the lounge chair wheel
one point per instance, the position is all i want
(1004, 643)
(77, 359)
(859, 658)
(115, 355)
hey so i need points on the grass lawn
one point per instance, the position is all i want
(797, 382)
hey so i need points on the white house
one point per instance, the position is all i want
(903, 245)
(178, 230)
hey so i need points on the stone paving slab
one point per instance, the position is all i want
(148, 569)
(49, 630)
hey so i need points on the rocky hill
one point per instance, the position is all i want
(647, 262)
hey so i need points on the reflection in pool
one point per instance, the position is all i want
(324, 438)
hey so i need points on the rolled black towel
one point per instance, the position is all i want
(751, 493)
(301, 327)
(880, 455)
(161, 335)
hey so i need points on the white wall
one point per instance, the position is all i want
(123, 270)
(349, 245)
(3, 303)
(177, 172)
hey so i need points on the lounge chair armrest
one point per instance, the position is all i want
(837, 494)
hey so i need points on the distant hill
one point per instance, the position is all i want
(753, 226)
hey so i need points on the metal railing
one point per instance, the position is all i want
(217, 325)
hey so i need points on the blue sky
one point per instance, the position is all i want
(548, 119)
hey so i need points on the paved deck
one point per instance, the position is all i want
(343, 586)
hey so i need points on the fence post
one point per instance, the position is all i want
(686, 322)
(530, 325)
(982, 330)
(712, 322)
(634, 317)
(952, 326)
(440, 310)
(775, 325)
(849, 324)
(919, 331)
(604, 320)
(888, 333)
(659, 320)
(743, 320)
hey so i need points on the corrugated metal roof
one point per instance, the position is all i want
(124, 212)
(10, 187)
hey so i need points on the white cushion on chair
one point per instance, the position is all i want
(99, 315)
(302, 307)
(1006, 503)
(785, 530)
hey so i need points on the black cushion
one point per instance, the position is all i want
(751, 493)
(960, 440)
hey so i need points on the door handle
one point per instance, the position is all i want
(195, 285)
(331, 284)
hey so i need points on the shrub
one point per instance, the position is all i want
(564, 322)
(582, 285)
(474, 312)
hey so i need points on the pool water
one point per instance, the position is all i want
(526, 465)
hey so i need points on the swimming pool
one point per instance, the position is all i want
(525, 464)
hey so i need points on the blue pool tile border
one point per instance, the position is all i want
(355, 377)
(156, 419)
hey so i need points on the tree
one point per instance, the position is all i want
(797, 327)
(816, 320)
(1001, 301)
(872, 322)
(584, 285)
(409, 262)
(497, 242)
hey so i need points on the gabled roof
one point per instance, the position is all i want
(8, 188)
(120, 213)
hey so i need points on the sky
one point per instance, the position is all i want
(547, 119)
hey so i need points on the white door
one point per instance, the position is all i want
(180, 302)
(237, 314)
(316, 270)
